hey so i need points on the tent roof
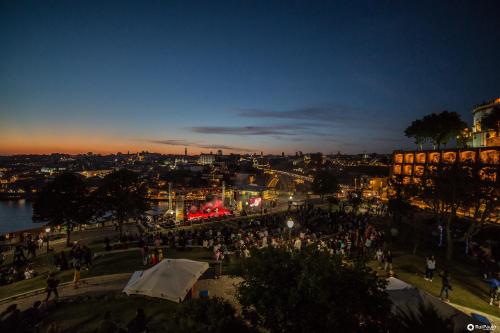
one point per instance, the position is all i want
(397, 284)
(407, 299)
(170, 279)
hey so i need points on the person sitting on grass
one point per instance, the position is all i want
(107, 324)
(29, 272)
(139, 323)
(32, 316)
(494, 291)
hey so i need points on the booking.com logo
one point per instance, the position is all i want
(472, 327)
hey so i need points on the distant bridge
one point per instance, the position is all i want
(288, 174)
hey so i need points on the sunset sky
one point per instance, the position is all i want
(241, 76)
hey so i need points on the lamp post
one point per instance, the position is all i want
(47, 232)
(289, 224)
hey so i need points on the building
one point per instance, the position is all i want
(483, 150)
(482, 137)
(413, 164)
(206, 159)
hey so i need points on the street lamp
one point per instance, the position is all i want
(289, 224)
(47, 231)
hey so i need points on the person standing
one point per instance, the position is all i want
(430, 268)
(446, 286)
(379, 255)
(52, 284)
(388, 261)
(76, 275)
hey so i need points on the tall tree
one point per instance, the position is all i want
(324, 182)
(445, 190)
(418, 132)
(311, 291)
(122, 194)
(63, 201)
(436, 128)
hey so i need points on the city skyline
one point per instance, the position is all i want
(243, 77)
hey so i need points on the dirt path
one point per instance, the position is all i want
(97, 284)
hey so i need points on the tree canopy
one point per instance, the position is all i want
(122, 194)
(324, 182)
(436, 128)
(311, 291)
(63, 201)
(492, 120)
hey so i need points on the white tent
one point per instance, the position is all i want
(170, 279)
(407, 299)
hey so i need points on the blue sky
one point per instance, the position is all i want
(239, 75)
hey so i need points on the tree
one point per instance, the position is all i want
(445, 190)
(324, 182)
(398, 204)
(311, 291)
(481, 197)
(418, 131)
(205, 315)
(63, 201)
(122, 194)
(492, 120)
(437, 128)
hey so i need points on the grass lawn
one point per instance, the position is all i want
(84, 314)
(114, 263)
(468, 289)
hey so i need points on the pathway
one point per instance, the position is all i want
(97, 284)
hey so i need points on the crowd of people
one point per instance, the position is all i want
(343, 233)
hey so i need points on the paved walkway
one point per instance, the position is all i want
(97, 284)
(494, 320)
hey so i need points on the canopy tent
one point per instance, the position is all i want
(170, 279)
(407, 299)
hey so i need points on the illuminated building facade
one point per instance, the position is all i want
(413, 164)
(482, 137)
(206, 159)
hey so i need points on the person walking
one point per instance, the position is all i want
(52, 284)
(430, 268)
(446, 286)
(388, 261)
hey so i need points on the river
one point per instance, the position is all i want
(15, 215)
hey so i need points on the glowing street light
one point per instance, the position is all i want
(47, 231)
(289, 224)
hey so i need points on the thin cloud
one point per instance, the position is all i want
(285, 130)
(329, 114)
(185, 143)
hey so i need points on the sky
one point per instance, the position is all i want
(241, 76)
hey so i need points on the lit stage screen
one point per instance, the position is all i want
(213, 207)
